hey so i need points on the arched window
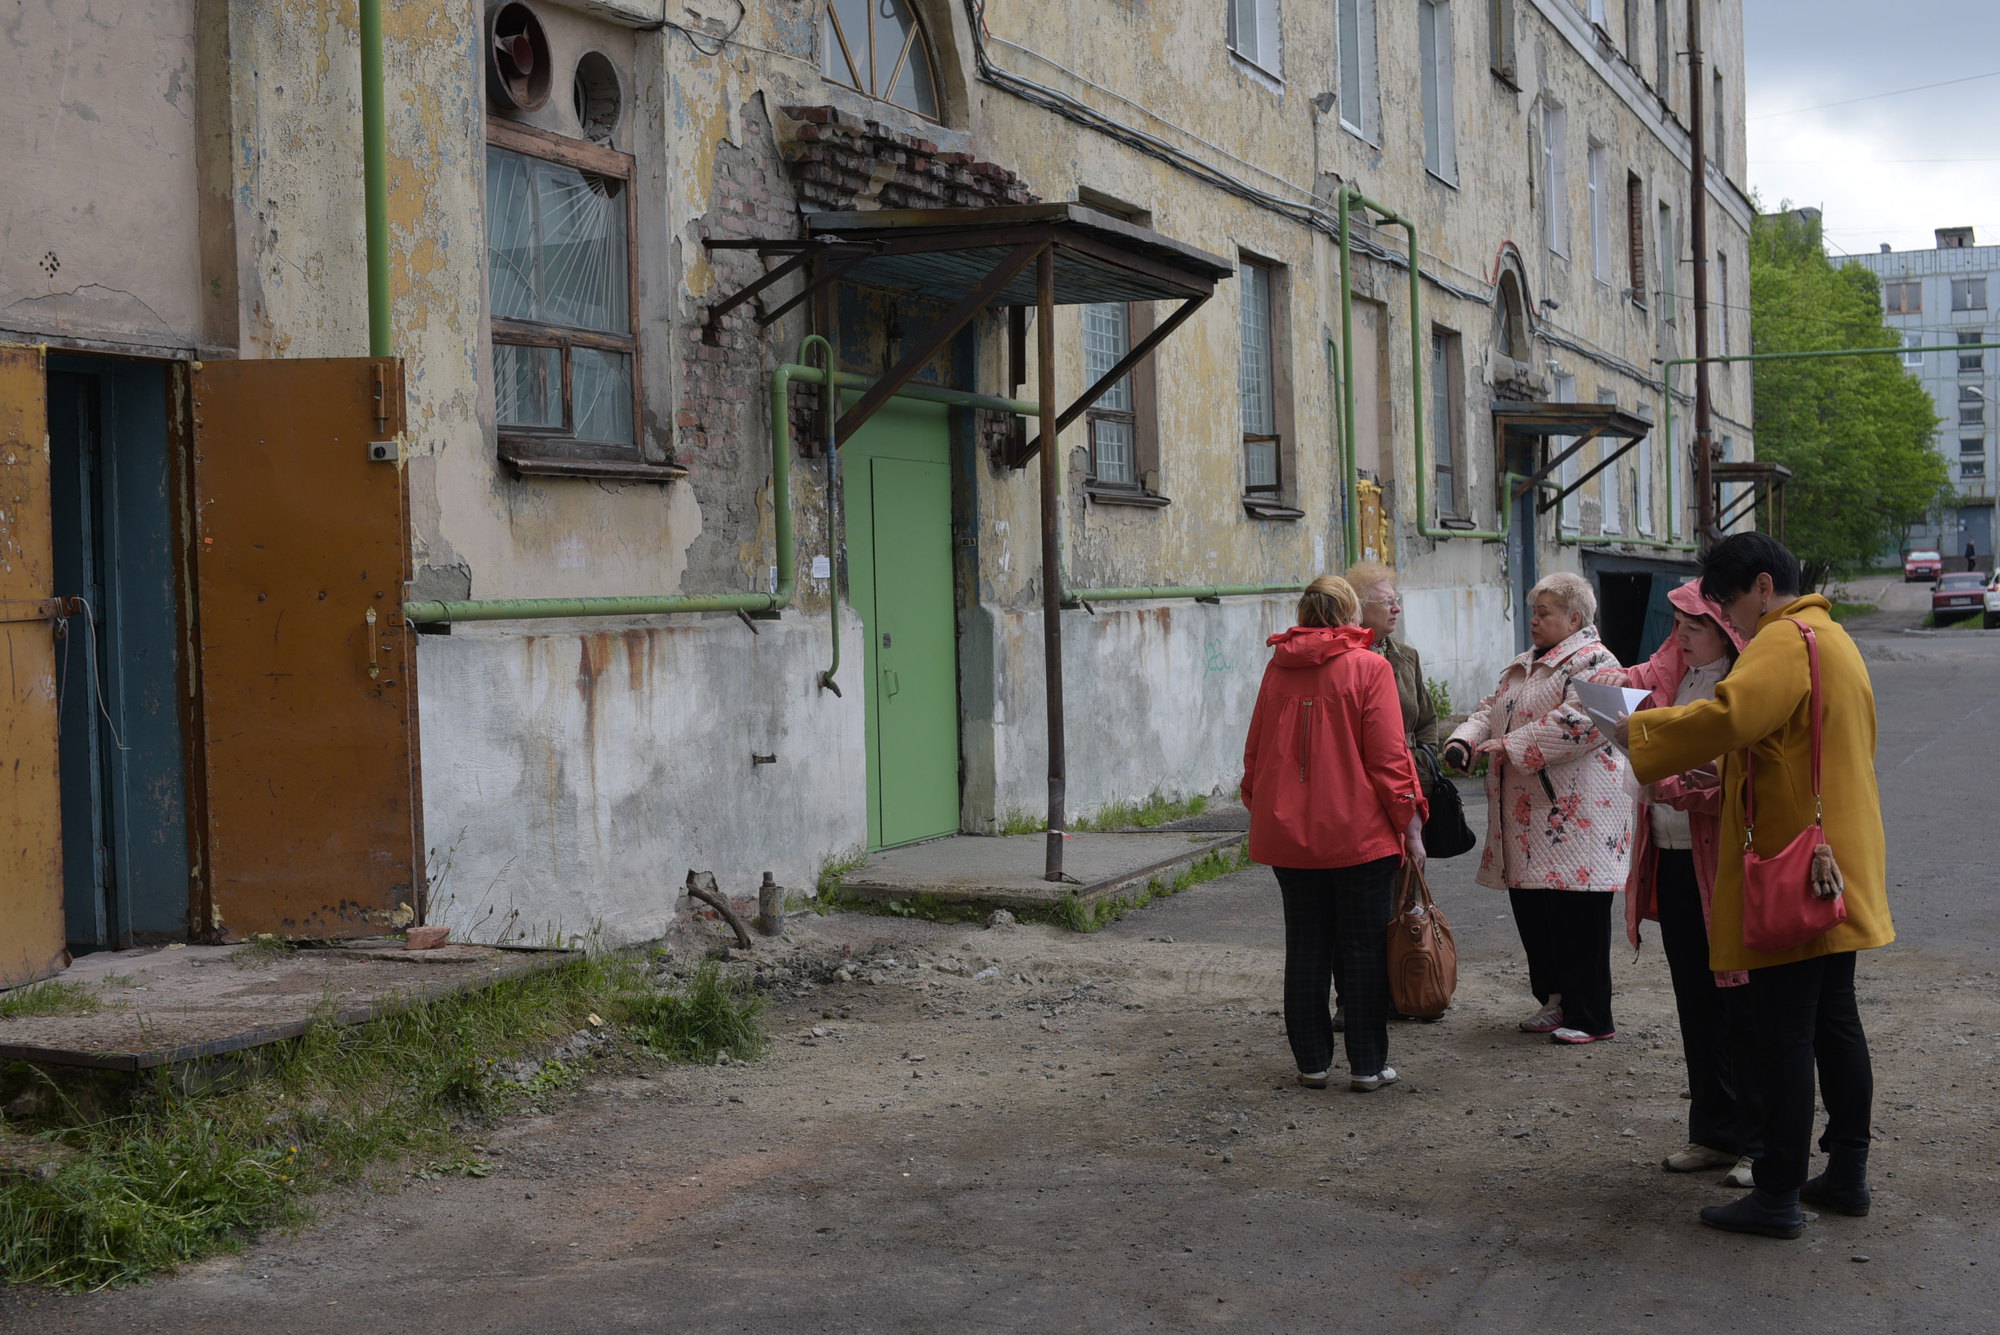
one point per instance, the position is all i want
(1512, 316)
(878, 47)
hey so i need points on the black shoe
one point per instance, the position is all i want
(1839, 1198)
(1770, 1214)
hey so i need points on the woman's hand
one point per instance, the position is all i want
(1458, 755)
(1413, 843)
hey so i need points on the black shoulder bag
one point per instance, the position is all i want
(1446, 835)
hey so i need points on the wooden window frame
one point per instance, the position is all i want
(1447, 428)
(1271, 500)
(831, 30)
(1635, 237)
(555, 451)
(1965, 286)
(1903, 287)
(1143, 418)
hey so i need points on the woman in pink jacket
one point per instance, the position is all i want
(1559, 822)
(1674, 856)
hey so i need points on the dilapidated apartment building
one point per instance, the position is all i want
(424, 495)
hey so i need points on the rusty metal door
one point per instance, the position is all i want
(31, 888)
(308, 700)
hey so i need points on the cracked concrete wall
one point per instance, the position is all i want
(97, 234)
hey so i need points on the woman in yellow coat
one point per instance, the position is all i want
(1802, 999)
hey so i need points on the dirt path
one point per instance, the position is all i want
(1101, 1133)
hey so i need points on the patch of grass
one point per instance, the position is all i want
(1155, 810)
(1073, 913)
(263, 948)
(52, 998)
(826, 886)
(707, 1016)
(1963, 621)
(191, 1170)
(1843, 611)
(1017, 821)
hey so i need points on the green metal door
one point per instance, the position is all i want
(898, 493)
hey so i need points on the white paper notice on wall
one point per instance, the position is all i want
(822, 568)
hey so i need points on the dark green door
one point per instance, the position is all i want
(898, 492)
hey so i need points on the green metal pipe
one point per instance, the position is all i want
(375, 179)
(1078, 597)
(1348, 198)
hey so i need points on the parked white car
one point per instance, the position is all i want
(1992, 618)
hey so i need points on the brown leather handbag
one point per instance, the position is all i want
(1423, 958)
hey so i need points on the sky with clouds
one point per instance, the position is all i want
(1884, 168)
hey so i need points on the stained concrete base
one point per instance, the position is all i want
(171, 1004)
(1006, 872)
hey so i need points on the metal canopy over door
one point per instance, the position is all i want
(31, 889)
(898, 505)
(308, 700)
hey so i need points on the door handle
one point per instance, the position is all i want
(891, 681)
(374, 647)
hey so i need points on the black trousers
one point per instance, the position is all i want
(1717, 1035)
(1567, 937)
(1338, 913)
(1806, 1016)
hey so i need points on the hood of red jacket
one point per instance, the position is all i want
(1309, 646)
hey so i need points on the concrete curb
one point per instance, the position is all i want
(1043, 895)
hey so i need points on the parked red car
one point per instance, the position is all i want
(1958, 595)
(1922, 565)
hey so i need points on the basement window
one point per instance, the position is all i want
(559, 226)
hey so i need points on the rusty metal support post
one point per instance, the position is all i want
(1709, 532)
(1052, 579)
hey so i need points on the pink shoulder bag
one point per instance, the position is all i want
(1793, 897)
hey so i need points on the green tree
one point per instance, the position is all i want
(1857, 432)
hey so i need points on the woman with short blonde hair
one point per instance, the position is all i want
(1335, 807)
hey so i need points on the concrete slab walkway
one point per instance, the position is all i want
(155, 1006)
(1006, 871)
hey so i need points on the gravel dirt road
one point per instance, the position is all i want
(1026, 1129)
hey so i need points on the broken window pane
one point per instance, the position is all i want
(601, 388)
(528, 385)
(556, 248)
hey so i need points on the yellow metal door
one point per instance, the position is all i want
(307, 668)
(31, 910)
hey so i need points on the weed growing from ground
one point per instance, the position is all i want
(1073, 913)
(826, 885)
(1155, 810)
(262, 948)
(709, 1015)
(55, 998)
(1017, 821)
(192, 1169)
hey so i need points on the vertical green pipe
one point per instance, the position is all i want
(375, 178)
(827, 680)
(1351, 454)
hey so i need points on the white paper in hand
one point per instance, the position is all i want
(1608, 705)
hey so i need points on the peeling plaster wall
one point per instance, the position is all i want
(572, 781)
(1163, 691)
(97, 226)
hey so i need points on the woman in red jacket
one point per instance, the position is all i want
(1335, 806)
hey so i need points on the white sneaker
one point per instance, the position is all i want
(1546, 1020)
(1313, 1079)
(1368, 1084)
(1695, 1158)
(1742, 1176)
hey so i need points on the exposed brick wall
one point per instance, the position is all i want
(840, 162)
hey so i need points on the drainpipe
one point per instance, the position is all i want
(375, 178)
(1349, 197)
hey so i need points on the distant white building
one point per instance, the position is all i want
(1941, 296)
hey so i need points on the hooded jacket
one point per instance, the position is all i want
(1661, 674)
(1327, 775)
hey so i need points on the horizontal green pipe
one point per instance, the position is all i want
(547, 609)
(1077, 597)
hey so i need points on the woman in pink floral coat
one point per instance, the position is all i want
(1558, 816)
